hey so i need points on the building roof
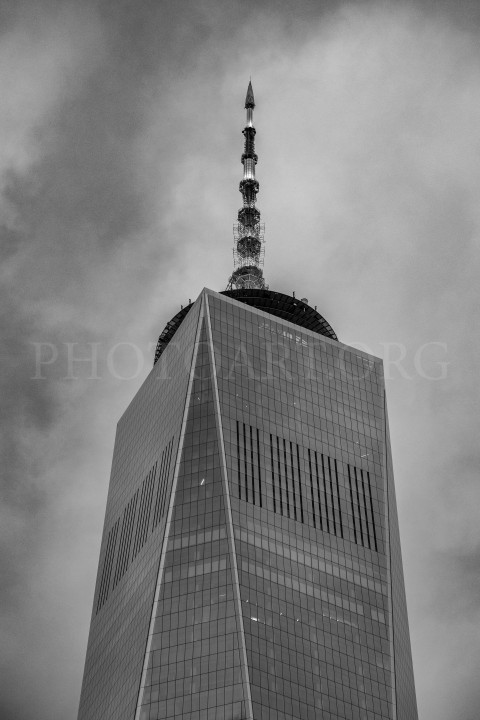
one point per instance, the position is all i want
(282, 306)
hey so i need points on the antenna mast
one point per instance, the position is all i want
(248, 232)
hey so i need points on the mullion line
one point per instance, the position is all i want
(338, 497)
(352, 504)
(245, 461)
(292, 478)
(139, 520)
(143, 516)
(324, 485)
(166, 465)
(121, 554)
(259, 470)
(123, 536)
(158, 501)
(107, 567)
(239, 464)
(251, 462)
(365, 508)
(112, 558)
(371, 509)
(145, 509)
(149, 506)
(322, 504)
(141, 510)
(293, 482)
(286, 476)
(170, 453)
(358, 505)
(104, 571)
(163, 485)
(167, 474)
(273, 475)
(331, 494)
(155, 494)
(154, 478)
(279, 475)
(311, 490)
(129, 533)
(163, 481)
(300, 483)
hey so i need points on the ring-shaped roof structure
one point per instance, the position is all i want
(282, 306)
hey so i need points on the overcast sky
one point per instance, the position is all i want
(120, 128)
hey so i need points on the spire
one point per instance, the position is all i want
(250, 100)
(248, 248)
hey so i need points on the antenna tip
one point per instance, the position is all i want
(250, 100)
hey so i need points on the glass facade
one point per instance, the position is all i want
(250, 566)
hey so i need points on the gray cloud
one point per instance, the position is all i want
(121, 139)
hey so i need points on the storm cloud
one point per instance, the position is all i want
(120, 128)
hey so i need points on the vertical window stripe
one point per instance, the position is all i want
(126, 538)
(156, 515)
(294, 492)
(299, 484)
(286, 476)
(279, 476)
(324, 486)
(328, 505)
(252, 465)
(239, 470)
(311, 489)
(358, 506)
(339, 505)
(371, 510)
(107, 566)
(352, 504)
(365, 508)
(167, 476)
(245, 461)
(258, 469)
(273, 475)
(330, 485)
(141, 513)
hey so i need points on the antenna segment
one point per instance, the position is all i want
(248, 232)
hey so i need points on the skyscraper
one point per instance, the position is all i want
(250, 565)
